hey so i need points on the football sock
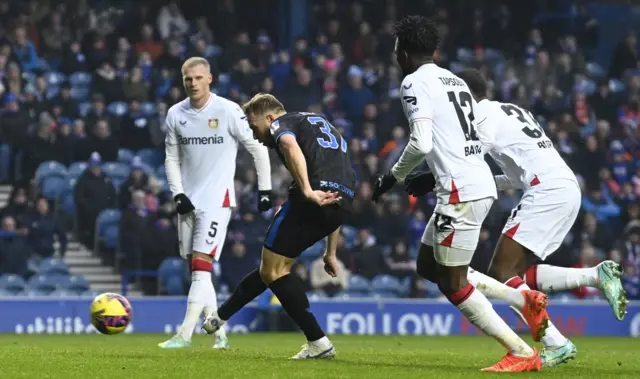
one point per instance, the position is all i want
(478, 310)
(494, 289)
(548, 278)
(212, 306)
(200, 295)
(293, 299)
(552, 337)
(249, 288)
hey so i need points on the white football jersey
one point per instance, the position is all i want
(517, 143)
(207, 141)
(456, 160)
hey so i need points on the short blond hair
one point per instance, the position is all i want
(261, 104)
(196, 61)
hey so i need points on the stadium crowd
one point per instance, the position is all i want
(81, 81)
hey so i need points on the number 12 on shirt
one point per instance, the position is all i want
(325, 128)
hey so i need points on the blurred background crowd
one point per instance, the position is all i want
(85, 86)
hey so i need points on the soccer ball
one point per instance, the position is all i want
(110, 313)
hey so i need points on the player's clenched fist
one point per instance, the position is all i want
(264, 201)
(382, 184)
(183, 204)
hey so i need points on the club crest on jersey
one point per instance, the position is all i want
(213, 123)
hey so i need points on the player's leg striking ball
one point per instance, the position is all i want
(296, 226)
(202, 293)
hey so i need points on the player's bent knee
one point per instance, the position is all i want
(426, 265)
(274, 266)
(452, 279)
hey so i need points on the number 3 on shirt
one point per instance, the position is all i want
(326, 129)
(465, 100)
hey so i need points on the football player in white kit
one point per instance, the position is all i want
(540, 222)
(203, 132)
(439, 108)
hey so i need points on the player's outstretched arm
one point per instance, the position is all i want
(420, 144)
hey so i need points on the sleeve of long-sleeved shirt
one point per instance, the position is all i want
(486, 127)
(242, 132)
(418, 109)
(172, 160)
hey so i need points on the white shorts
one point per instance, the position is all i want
(203, 231)
(455, 229)
(544, 216)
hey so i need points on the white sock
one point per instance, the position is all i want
(494, 289)
(552, 278)
(552, 337)
(324, 341)
(478, 310)
(200, 295)
(212, 307)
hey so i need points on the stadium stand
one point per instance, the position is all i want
(83, 105)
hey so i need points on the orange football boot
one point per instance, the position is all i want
(512, 363)
(535, 312)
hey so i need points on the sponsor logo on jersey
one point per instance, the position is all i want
(213, 123)
(407, 86)
(546, 144)
(211, 140)
(410, 100)
(182, 123)
(337, 186)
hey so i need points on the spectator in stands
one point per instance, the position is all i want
(601, 204)
(625, 56)
(399, 262)
(368, 258)
(236, 264)
(329, 285)
(43, 227)
(94, 192)
(104, 142)
(41, 147)
(18, 204)
(135, 129)
(14, 121)
(137, 180)
(301, 271)
(133, 224)
(14, 250)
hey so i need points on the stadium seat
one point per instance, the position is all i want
(79, 93)
(616, 86)
(111, 236)
(148, 108)
(55, 78)
(432, 290)
(175, 286)
(405, 286)
(349, 233)
(125, 156)
(76, 169)
(12, 283)
(118, 108)
(50, 169)
(359, 283)
(172, 267)
(151, 157)
(53, 266)
(61, 293)
(37, 293)
(385, 295)
(51, 187)
(80, 80)
(118, 172)
(43, 284)
(84, 108)
(66, 200)
(346, 295)
(106, 222)
(385, 283)
(594, 70)
(74, 284)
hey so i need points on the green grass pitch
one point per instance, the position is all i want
(258, 356)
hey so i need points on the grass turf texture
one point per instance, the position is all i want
(255, 356)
